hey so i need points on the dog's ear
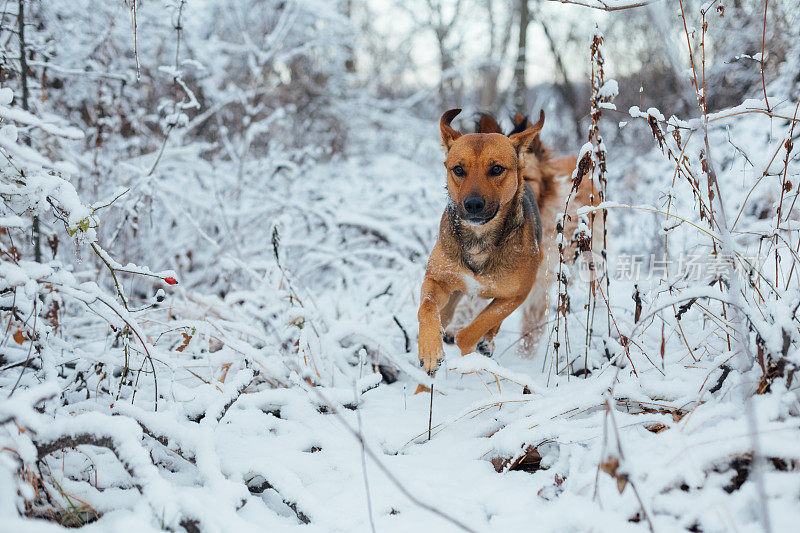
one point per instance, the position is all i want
(488, 124)
(523, 140)
(449, 135)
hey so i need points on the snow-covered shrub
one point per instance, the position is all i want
(222, 145)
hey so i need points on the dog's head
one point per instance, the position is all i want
(484, 170)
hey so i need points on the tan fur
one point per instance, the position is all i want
(487, 124)
(550, 179)
(516, 272)
(497, 260)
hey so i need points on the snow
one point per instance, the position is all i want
(256, 394)
(609, 90)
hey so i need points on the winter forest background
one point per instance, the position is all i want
(215, 222)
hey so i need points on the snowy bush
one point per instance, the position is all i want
(215, 221)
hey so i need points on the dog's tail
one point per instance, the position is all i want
(549, 177)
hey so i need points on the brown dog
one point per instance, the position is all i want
(490, 235)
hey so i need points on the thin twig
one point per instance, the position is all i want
(761, 60)
(603, 6)
(364, 461)
(430, 414)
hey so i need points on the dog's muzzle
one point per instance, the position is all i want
(476, 212)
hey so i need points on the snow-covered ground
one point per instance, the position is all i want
(241, 440)
(221, 332)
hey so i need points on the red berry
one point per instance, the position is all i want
(171, 280)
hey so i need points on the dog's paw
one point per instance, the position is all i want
(431, 353)
(485, 348)
(448, 337)
(431, 363)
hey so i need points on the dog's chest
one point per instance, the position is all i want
(476, 253)
(477, 259)
(475, 287)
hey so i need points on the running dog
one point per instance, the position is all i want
(503, 197)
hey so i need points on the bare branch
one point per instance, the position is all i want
(609, 5)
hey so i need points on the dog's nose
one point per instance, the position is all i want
(473, 205)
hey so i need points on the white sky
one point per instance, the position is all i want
(395, 25)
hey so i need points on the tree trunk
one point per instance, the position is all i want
(564, 87)
(23, 67)
(499, 38)
(447, 85)
(350, 60)
(520, 87)
(488, 94)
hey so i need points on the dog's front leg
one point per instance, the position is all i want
(433, 298)
(446, 315)
(487, 320)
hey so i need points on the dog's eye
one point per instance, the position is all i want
(458, 171)
(496, 170)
